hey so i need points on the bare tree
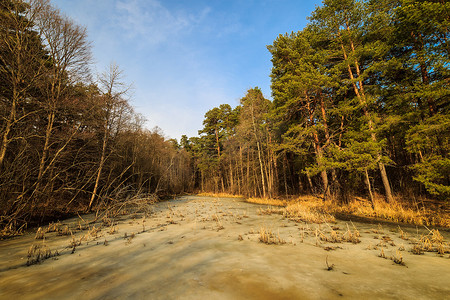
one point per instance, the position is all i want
(113, 90)
(69, 56)
(20, 62)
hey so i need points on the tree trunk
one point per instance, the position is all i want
(359, 91)
(202, 180)
(238, 176)
(259, 153)
(48, 132)
(9, 122)
(418, 45)
(100, 167)
(231, 178)
(310, 182)
(248, 173)
(262, 170)
(369, 188)
(285, 162)
(327, 134)
(318, 150)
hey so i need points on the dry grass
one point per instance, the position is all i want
(216, 218)
(11, 230)
(219, 195)
(431, 242)
(40, 252)
(53, 227)
(400, 212)
(271, 210)
(140, 203)
(266, 201)
(309, 212)
(266, 236)
(129, 238)
(299, 211)
(397, 258)
(335, 236)
(91, 231)
(314, 209)
(40, 234)
(351, 237)
(64, 231)
(329, 267)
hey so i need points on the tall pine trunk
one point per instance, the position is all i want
(359, 91)
(317, 149)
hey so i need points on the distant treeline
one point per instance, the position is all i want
(69, 143)
(361, 105)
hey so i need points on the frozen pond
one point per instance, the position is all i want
(209, 248)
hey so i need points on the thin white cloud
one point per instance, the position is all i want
(152, 22)
(183, 57)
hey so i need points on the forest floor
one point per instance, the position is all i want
(224, 248)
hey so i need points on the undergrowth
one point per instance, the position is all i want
(218, 195)
(315, 210)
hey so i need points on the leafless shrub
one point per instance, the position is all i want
(139, 203)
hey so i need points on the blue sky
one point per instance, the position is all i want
(184, 57)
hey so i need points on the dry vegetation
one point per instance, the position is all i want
(223, 195)
(431, 242)
(336, 236)
(400, 211)
(266, 201)
(306, 210)
(266, 236)
(83, 232)
(315, 210)
(299, 227)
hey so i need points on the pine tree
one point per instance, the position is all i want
(422, 44)
(342, 21)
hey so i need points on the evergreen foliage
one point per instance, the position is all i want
(360, 102)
